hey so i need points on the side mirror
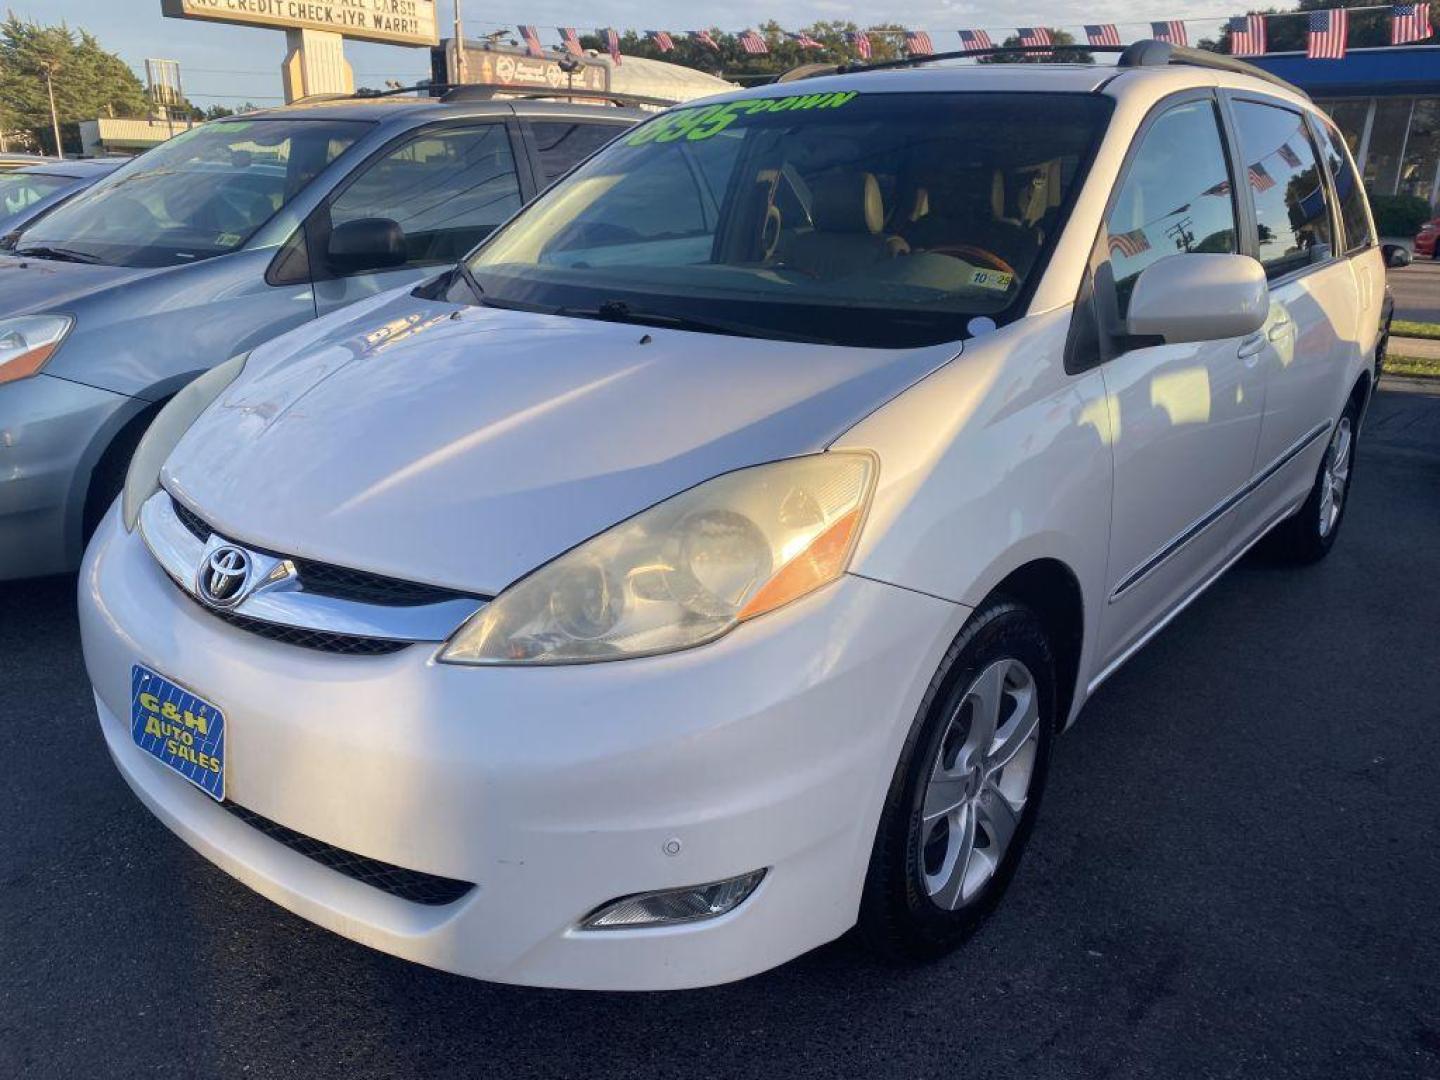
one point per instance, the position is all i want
(1199, 298)
(1395, 255)
(366, 244)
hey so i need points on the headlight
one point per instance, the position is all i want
(683, 572)
(27, 342)
(143, 479)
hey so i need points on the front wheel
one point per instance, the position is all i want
(965, 793)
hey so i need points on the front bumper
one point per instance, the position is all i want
(47, 428)
(553, 789)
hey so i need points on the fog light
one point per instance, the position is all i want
(669, 907)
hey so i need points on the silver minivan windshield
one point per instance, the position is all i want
(203, 193)
(878, 219)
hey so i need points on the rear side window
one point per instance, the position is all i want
(1348, 192)
(1284, 180)
(447, 189)
(563, 144)
(1175, 197)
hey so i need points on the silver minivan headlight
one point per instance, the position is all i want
(684, 572)
(143, 479)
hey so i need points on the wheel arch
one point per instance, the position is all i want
(1052, 590)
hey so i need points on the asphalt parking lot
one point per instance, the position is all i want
(1417, 291)
(1236, 873)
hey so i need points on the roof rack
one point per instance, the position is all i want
(1146, 53)
(1152, 53)
(477, 92)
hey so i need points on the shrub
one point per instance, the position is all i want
(1399, 215)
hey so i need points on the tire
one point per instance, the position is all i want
(107, 479)
(1307, 535)
(1002, 656)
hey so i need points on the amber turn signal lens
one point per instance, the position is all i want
(820, 563)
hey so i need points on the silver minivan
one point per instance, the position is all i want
(220, 239)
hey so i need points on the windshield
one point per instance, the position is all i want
(887, 220)
(203, 193)
(20, 191)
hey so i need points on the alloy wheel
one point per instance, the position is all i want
(979, 783)
(1335, 479)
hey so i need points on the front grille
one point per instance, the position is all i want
(412, 885)
(342, 582)
(364, 587)
(190, 519)
(320, 640)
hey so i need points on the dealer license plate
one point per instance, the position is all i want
(183, 731)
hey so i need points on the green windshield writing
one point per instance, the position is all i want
(707, 121)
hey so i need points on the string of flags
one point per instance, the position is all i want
(1326, 34)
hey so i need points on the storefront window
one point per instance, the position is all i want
(1387, 140)
(1422, 150)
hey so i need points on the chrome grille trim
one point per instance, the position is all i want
(280, 597)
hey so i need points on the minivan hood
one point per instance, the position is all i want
(466, 446)
(31, 284)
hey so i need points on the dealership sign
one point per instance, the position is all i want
(396, 22)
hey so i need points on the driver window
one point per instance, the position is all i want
(1176, 197)
(447, 190)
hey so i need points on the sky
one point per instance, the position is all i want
(229, 65)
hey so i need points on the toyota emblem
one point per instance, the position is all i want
(224, 576)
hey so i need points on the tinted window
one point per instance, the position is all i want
(447, 189)
(1175, 197)
(883, 219)
(563, 144)
(203, 193)
(1349, 192)
(1284, 180)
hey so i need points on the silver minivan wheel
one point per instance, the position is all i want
(979, 782)
(1335, 479)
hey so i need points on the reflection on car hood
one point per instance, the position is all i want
(29, 284)
(464, 447)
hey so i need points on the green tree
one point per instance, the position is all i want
(1058, 37)
(89, 82)
(1287, 33)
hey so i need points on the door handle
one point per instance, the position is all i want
(1251, 348)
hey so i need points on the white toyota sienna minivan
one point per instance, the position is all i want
(708, 563)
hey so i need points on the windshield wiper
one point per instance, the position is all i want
(59, 254)
(621, 312)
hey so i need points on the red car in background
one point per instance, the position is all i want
(1427, 240)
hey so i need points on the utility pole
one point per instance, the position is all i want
(47, 72)
(459, 46)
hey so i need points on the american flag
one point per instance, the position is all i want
(612, 44)
(1035, 36)
(1409, 22)
(704, 38)
(753, 43)
(532, 40)
(1260, 178)
(1326, 39)
(1129, 244)
(805, 41)
(662, 39)
(1289, 156)
(571, 38)
(1172, 30)
(918, 43)
(971, 40)
(1102, 34)
(1222, 188)
(860, 40)
(1247, 35)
